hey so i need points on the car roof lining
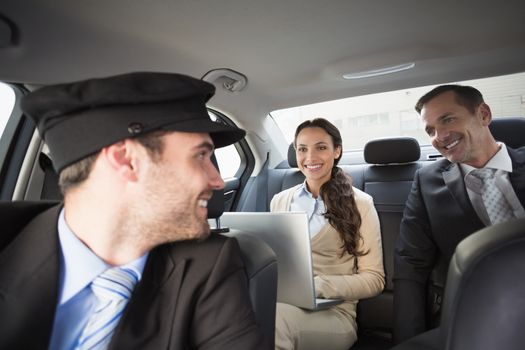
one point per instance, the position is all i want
(292, 52)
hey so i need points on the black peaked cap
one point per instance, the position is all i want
(80, 118)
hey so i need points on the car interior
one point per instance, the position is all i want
(275, 64)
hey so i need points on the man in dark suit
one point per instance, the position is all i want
(445, 204)
(133, 155)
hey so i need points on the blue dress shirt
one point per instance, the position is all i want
(303, 200)
(78, 267)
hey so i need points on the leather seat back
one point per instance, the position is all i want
(509, 130)
(261, 268)
(388, 179)
(484, 304)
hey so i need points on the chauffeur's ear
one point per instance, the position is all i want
(121, 157)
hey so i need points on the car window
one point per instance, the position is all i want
(7, 102)
(229, 161)
(228, 157)
(387, 114)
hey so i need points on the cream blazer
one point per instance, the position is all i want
(336, 276)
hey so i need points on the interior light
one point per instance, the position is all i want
(379, 71)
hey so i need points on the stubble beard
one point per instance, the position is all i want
(162, 214)
(146, 227)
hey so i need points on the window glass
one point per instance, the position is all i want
(392, 113)
(7, 102)
(228, 157)
(229, 161)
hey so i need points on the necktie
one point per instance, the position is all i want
(113, 289)
(497, 206)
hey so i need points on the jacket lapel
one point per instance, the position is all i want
(147, 322)
(454, 180)
(517, 177)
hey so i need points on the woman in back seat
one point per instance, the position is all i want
(345, 240)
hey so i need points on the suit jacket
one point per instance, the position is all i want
(438, 215)
(193, 294)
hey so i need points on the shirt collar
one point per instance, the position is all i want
(303, 191)
(80, 265)
(500, 161)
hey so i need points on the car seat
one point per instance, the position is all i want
(483, 306)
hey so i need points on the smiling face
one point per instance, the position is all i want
(175, 189)
(316, 155)
(458, 134)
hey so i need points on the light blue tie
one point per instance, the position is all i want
(113, 289)
(498, 208)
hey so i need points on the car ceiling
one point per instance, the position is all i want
(292, 52)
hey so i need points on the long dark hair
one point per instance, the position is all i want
(338, 194)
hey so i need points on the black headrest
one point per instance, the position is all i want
(509, 130)
(484, 306)
(292, 160)
(216, 202)
(50, 188)
(392, 150)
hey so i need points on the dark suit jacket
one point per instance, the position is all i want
(437, 216)
(193, 295)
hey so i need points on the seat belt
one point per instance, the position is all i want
(261, 203)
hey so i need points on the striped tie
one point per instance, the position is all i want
(113, 289)
(498, 208)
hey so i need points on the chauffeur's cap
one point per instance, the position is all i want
(79, 119)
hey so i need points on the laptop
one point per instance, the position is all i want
(287, 233)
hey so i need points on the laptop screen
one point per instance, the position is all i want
(287, 234)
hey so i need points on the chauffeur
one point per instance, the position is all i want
(125, 262)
